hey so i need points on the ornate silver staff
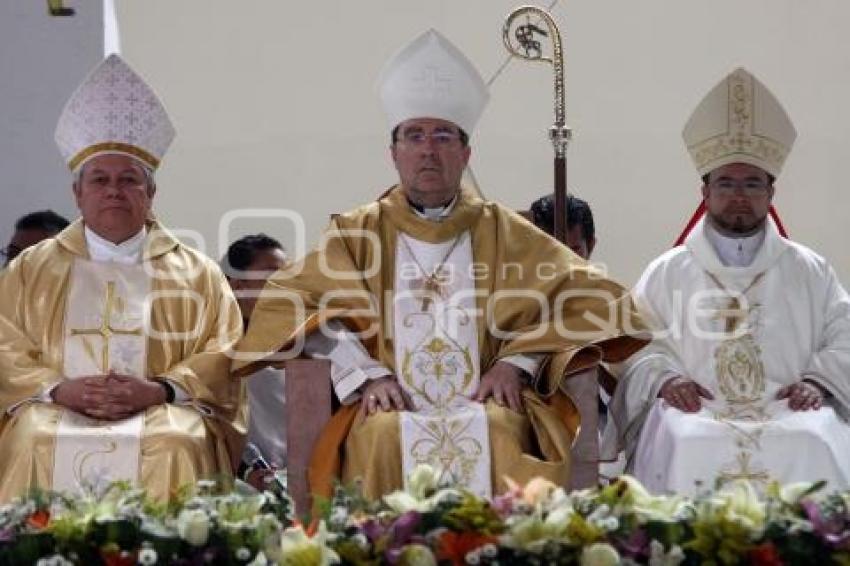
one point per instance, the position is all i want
(521, 40)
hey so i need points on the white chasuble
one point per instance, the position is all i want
(743, 333)
(104, 332)
(437, 362)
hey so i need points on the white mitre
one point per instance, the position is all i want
(739, 121)
(114, 111)
(431, 78)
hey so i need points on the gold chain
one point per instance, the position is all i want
(734, 306)
(430, 279)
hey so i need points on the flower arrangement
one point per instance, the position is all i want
(117, 525)
(429, 524)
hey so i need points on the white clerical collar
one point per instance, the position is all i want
(734, 252)
(127, 252)
(435, 214)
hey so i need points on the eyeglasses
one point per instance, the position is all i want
(749, 187)
(441, 138)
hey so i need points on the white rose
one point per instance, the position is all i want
(402, 502)
(599, 554)
(147, 556)
(297, 549)
(422, 481)
(193, 526)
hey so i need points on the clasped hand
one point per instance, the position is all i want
(111, 397)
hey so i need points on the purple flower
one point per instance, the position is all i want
(393, 554)
(400, 533)
(839, 541)
(812, 511)
(635, 546)
(830, 529)
(404, 527)
(373, 529)
(503, 504)
(822, 525)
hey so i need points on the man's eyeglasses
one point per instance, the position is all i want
(441, 138)
(749, 187)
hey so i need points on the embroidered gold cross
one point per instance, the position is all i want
(105, 331)
(744, 471)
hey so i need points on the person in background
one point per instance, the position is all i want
(581, 232)
(581, 239)
(249, 262)
(32, 228)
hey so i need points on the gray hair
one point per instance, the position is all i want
(150, 180)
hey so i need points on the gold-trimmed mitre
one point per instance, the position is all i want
(114, 111)
(431, 78)
(739, 121)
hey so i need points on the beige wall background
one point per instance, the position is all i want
(275, 108)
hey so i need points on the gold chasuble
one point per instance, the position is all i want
(521, 292)
(63, 316)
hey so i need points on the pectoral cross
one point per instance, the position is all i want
(105, 331)
(733, 313)
(431, 285)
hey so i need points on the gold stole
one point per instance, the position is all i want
(738, 365)
(104, 331)
(438, 362)
(741, 380)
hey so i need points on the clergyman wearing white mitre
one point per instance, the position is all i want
(113, 353)
(748, 376)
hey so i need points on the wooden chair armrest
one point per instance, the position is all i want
(308, 408)
(309, 402)
(583, 389)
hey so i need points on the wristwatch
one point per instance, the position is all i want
(170, 394)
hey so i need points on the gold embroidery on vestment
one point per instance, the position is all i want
(105, 330)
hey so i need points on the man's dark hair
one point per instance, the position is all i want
(462, 136)
(45, 220)
(242, 252)
(578, 213)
